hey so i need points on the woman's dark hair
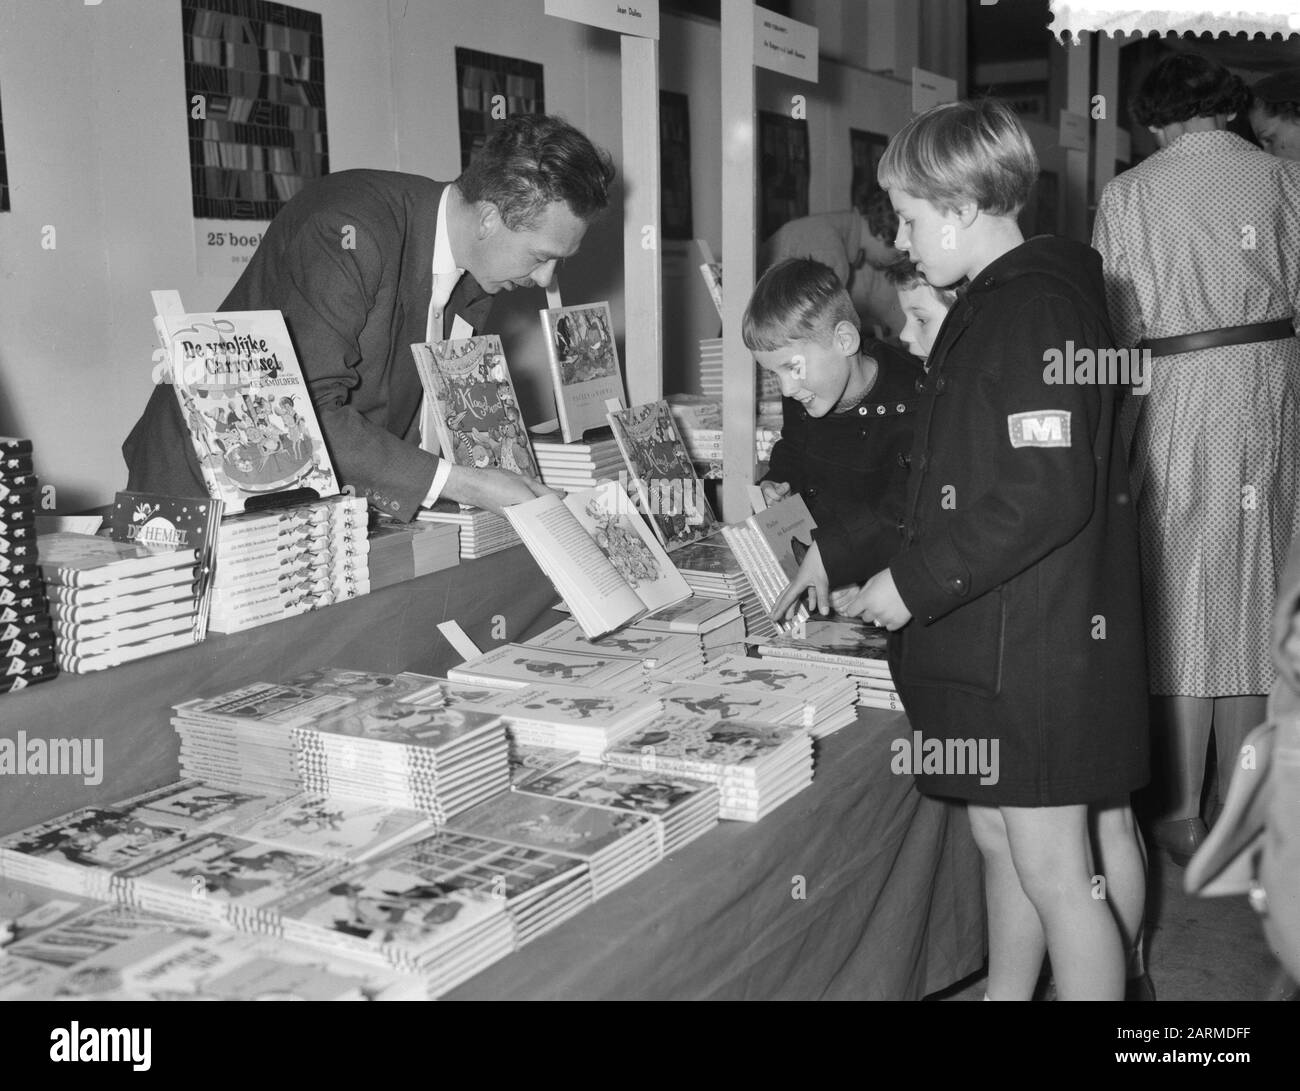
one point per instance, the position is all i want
(533, 160)
(1278, 95)
(1187, 85)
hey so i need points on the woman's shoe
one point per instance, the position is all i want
(1180, 838)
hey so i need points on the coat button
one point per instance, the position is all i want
(958, 585)
(940, 384)
(903, 460)
(812, 493)
(920, 385)
(880, 410)
(900, 408)
(863, 410)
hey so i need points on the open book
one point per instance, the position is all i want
(597, 551)
(244, 402)
(770, 545)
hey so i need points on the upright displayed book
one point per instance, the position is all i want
(600, 556)
(474, 408)
(27, 634)
(671, 494)
(245, 403)
(584, 366)
(770, 545)
(115, 602)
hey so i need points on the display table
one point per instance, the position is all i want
(891, 906)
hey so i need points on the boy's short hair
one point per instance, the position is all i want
(796, 300)
(904, 275)
(962, 151)
(1187, 85)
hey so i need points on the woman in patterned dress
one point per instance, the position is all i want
(1202, 236)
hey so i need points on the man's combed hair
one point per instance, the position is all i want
(973, 150)
(796, 300)
(1186, 85)
(880, 215)
(532, 161)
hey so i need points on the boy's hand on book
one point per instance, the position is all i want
(812, 578)
(492, 488)
(880, 603)
(774, 490)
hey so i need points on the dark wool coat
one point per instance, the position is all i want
(353, 313)
(1020, 562)
(851, 467)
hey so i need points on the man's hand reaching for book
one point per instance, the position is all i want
(493, 489)
(812, 578)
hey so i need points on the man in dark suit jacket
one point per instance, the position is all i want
(350, 262)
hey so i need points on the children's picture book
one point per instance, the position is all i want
(670, 492)
(514, 666)
(246, 405)
(600, 556)
(584, 365)
(475, 411)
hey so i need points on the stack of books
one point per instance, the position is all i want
(712, 571)
(847, 645)
(617, 846)
(685, 809)
(398, 911)
(756, 767)
(716, 623)
(516, 666)
(481, 531)
(660, 654)
(405, 551)
(584, 722)
(770, 545)
(541, 889)
(113, 952)
(710, 367)
(699, 420)
(830, 694)
(275, 564)
(579, 465)
(724, 703)
(27, 644)
(347, 733)
(113, 602)
(529, 759)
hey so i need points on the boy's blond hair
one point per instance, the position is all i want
(973, 150)
(798, 299)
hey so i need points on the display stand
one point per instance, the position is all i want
(638, 28)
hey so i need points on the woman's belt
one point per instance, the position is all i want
(1277, 330)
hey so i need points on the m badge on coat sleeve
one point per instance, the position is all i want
(1044, 428)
